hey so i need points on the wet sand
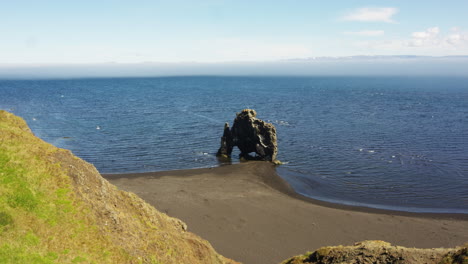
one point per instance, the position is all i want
(249, 214)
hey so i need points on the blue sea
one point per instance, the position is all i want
(397, 143)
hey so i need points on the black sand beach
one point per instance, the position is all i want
(248, 213)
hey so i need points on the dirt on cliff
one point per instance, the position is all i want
(381, 252)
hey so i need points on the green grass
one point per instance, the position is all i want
(40, 219)
(56, 208)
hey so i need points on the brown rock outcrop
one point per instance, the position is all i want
(250, 135)
(375, 251)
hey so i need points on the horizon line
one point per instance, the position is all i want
(303, 59)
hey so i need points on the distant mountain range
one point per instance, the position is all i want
(377, 57)
(360, 65)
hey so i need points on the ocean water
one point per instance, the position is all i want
(396, 143)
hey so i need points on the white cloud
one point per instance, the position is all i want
(378, 47)
(454, 39)
(367, 14)
(431, 41)
(238, 49)
(429, 33)
(431, 37)
(424, 38)
(457, 37)
(366, 33)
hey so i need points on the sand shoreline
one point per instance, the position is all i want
(275, 181)
(252, 215)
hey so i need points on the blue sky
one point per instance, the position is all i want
(103, 31)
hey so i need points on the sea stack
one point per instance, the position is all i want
(250, 135)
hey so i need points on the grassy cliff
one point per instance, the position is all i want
(56, 208)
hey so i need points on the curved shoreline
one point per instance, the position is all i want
(275, 181)
(252, 215)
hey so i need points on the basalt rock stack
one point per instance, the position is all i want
(250, 135)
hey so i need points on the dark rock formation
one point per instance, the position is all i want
(226, 142)
(250, 135)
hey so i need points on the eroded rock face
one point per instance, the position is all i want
(226, 142)
(375, 251)
(250, 135)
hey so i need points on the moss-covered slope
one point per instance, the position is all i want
(56, 208)
(381, 252)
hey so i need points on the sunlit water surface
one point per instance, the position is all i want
(393, 143)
